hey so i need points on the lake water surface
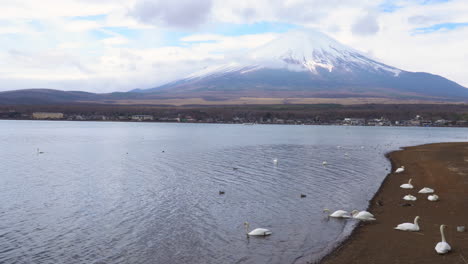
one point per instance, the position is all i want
(149, 192)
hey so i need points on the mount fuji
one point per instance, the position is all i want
(313, 65)
(299, 67)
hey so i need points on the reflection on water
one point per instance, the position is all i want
(149, 193)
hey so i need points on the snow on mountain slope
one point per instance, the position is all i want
(300, 51)
(309, 64)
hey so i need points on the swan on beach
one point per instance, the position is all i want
(407, 185)
(409, 197)
(442, 247)
(401, 169)
(426, 190)
(409, 226)
(362, 215)
(338, 213)
(433, 198)
(256, 231)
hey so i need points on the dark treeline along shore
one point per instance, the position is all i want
(451, 114)
(443, 167)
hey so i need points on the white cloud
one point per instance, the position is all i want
(366, 25)
(181, 13)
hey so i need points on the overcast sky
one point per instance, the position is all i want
(119, 45)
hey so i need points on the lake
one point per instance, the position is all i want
(104, 192)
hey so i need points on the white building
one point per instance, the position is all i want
(47, 115)
(142, 117)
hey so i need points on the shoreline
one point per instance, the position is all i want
(220, 123)
(441, 166)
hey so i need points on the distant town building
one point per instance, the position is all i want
(461, 123)
(441, 122)
(47, 115)
(414, 122)
(354, 121)
(379, 122)
(142, 117)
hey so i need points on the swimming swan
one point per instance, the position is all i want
(442, 247)
(401, 169)
(409, 226)
(324, 163)
(433, 198)
(275, 161)
(409, 197)
(407, 185)
(426, 190)
(338, 214)
(363, 215)
(256, 231)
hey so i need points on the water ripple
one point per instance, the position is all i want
(149, 193)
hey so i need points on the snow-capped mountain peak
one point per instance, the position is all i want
(300, 51)
(311, 50)
(309, 64)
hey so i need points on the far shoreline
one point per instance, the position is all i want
(365, 244)
(417, 115)
(220, 123)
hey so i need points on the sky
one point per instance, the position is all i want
(119, 45)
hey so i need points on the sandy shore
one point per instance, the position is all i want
(443, 167)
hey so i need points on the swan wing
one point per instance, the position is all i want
(406, 186)
(340, 213)
(260, 232)
(407, 227)
(426, 190)
(365, 218)
(442, 247)
(409, 198)
(364, 214)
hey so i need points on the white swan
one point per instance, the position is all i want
(433, 198)
(409, 197)
(407, 185)
(324, 163)
(275, 161)
(426, 190)
(442, 247)
(338, 214)
(363, 215)
(409, 226)
(401, 169)
(256, 231)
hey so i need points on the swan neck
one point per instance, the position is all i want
(409, 182)
(442, 233)
(247, 229)
(416, 221)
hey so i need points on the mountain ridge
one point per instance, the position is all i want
(298, 64)
(308, 62)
